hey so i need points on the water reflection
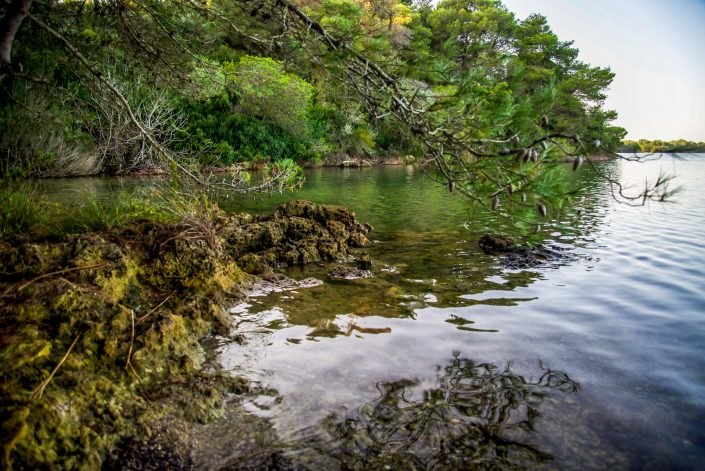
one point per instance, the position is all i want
(462, 323)
(475, 415)
(630, 327)
(351, 326)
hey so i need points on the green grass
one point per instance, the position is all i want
(23, 211)
(27, 214)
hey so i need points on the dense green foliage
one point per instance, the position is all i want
(488, 103)
(267, 91)
(644, 145)
(220, 98)
(221, 135)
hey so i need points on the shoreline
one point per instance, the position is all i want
(119, 318)
(339, 161)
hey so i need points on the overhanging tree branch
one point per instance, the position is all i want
(454, 152)
(118, 95)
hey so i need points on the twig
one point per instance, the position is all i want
(132, 340)
(46, 275)
(143, 318)
(29, 78)
(139, 383)
(37, 393)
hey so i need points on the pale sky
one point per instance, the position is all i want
(657, 50)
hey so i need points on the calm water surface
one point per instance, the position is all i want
(447, 360)
(597, 361)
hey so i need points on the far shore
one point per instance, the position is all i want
(345, 161)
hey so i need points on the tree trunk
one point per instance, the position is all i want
(16, 12)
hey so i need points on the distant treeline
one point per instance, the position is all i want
(643, 145)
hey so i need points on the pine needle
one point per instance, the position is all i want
(47, 275)
(37, 393)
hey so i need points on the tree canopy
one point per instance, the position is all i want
(489, 101)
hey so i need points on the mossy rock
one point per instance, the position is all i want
(30, 259)
(101, 332)
(295, 208)
(298, 232)
(254, 264)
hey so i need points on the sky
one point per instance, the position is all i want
(655, 47)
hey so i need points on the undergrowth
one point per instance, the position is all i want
(27, 214)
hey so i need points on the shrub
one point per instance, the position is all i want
(266, 91)
(222, 135)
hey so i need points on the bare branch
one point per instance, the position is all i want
(104, 80)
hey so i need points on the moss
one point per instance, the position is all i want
(94, 398)
(167, 344)
(26, 347)
(30, 259)
(229, 277)
(100, 333)
(191, 266)
(13, 430)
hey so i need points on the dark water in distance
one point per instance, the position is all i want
(452, 362)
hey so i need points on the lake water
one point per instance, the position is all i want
(595, 361)
(446, 360)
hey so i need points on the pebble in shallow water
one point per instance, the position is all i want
(349, 273)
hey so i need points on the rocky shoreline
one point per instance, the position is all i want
(100, 332)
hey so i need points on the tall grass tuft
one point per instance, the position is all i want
(27, 214)
(23, 211)
(95, 215)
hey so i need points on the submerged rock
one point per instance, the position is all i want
(531, 257)
(517, 257)
(363, 262)
(496, 243)
(345, 272)
(277, 283)
(161, 450)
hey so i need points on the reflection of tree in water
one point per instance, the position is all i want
(476, 415)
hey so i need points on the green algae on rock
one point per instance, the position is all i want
(100, 332)
(297, 233)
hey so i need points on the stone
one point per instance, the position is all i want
(518, 257)
(358, 240)
(253, 264)
(297, 232)
(344, 272)
(363, 262)
(495, 243)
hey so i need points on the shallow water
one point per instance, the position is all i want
(594, 361)
(447, 360)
